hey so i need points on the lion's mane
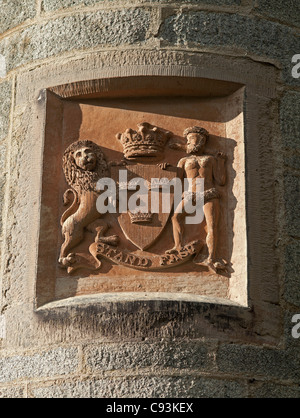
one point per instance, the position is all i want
(76, 177)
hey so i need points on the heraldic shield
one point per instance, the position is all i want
(142, 225)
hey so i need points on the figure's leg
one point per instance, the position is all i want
(178, 228)
(211, 212)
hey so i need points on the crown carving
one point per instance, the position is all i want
(147, 141)
(139, 217)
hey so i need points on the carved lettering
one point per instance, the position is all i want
(119, 257)
(144, 262)
(122, 257)
(130, 259)
(164, 260)
(186, 251)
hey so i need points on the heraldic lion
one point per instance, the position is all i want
(83, 165)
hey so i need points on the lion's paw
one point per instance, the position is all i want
(67, 261)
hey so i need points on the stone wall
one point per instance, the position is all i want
(124, 352)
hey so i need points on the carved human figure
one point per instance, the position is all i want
(212, 169)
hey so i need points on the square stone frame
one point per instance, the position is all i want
(258, 320)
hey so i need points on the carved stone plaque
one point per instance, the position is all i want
(85, 167)
(143, 195)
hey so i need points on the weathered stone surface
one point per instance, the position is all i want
(144, 387)
(50, 5)
(14, 12)
(12, 392)
(292, 160)
(102, 64)
(257, 361)
(60, 361)
(13, 277)
(2, 192)
(271, 390)
(139, 355)
(287, 11)
(115, 322)
(292, 207)
(5, 100)
(113, 27)
(210, 2)
(291, 270)
(2, 66)
(233, 32)
(290, 120)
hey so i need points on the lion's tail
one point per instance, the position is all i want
(73, 207)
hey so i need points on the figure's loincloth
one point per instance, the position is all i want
(209, 195)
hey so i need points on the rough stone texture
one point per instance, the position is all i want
(292, 268)
(145, 387)
(5, 100)
(14, 280)
(286, 11)
(2, 181)
(60, 361)
(97, 65)
(219, 30)
(114, 28)
(2, 66)
(125, 356)
(13, 392)
(292, 193)
(50, 5)
(242, 34)
(292, 161)
(14, 12)
(271, 390)
(250, 361)
(290, 120)
(290, 127)
(118, 322)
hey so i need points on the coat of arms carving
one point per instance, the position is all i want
(127, 204)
